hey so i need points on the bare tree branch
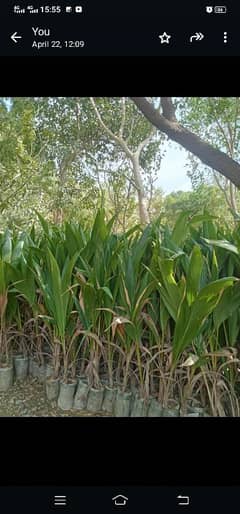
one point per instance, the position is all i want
(123, 117)
(145, 142)
(111, 134)
(134, 157)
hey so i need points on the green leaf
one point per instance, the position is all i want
(171, 292)
(107, 291)
(191, 318)
(214, 267)
(3, 284)
(216, 287)
(84, 320)
(194, 274)
(164, 316)
(99, 230)
(201, 217)
(189, 323)
(228, 304)
(209, 230)
(7, 247)
(43, 222)
(233, 323)
(181, 228)
(222, 244)
(24, 281)
(17, 251)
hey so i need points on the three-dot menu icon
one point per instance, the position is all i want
(225, 37)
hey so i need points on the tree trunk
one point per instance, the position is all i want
(142, 200)
(233, 198)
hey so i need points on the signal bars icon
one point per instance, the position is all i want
(60, 500)
(32, 10)
(17, 10)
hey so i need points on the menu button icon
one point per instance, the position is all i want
(60, 500)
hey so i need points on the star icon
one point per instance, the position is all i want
(164, 38)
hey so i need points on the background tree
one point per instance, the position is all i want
(217, 120)
(65, 157)
(205, 197)
(167, 123)
(84, 160)
(26, 178)
(131, 136)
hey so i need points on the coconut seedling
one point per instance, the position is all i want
(4, 350)
(5, 287)
(135, 287)
(7, 309)
(89, 305)
(96, 276)
(55, 285)
(25, 290)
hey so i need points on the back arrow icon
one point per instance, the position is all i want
(185, 500)
(15, 37)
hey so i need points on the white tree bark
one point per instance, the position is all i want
(142, 200)
(134, 158)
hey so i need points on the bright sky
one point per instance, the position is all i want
(173, 176)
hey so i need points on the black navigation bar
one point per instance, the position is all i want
(139, 500)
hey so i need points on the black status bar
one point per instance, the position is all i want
(124, 8)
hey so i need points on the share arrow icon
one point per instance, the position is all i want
(15, 37)
(198, 36)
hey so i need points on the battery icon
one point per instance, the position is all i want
(220, 9)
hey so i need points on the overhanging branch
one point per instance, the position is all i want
(208, 154)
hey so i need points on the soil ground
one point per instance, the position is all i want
(28, 399)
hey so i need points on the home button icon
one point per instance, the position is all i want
(120, 500)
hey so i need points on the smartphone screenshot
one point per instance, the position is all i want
(119, 256)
